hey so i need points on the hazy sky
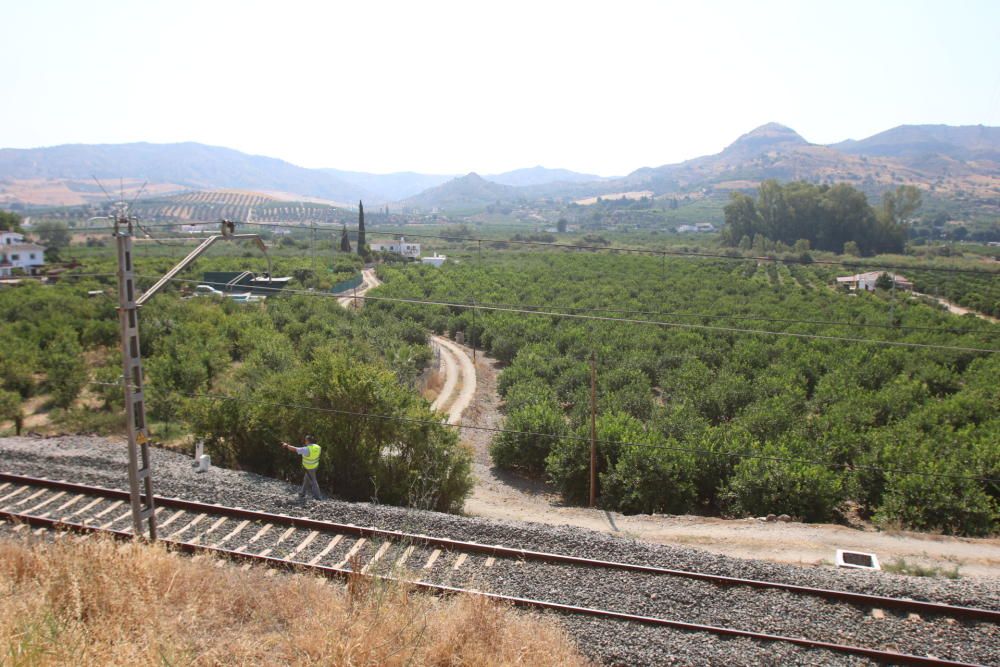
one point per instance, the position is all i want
(599, 87)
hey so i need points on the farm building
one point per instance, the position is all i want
(15, 253)
(236, 281)
(699, 227)
(866, 281)
(400, 247)
(435, 260)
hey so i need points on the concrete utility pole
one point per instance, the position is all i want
(140, 477)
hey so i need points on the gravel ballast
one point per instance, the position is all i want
(102, 461)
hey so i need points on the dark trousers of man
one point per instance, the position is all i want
(309, 482)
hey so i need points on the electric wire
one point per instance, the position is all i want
(592, 309)
(601, 248)
(570, 436)
(626, 320)
(758, 318)
(691, 315)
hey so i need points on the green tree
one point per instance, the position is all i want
(18, 363)
(780, 481)
(568, 465)
(413, 460)
(851, 249)
(362, 249)
(741, 219)
(52, 234)
(529, 433)
(10, 222)
(899, 206)
(884, 281)
(657, 476)
(10, 408)
(561, 225)
(65, 368)
(345, 241)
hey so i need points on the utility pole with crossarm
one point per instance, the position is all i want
(140, 471)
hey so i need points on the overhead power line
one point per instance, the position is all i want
(624, 320)
(758, 318)
(570, 436)
(874, 266)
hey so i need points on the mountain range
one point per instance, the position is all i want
(946, 161)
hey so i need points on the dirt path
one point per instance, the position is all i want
(460, 374)
(368, 281)
(460, 380)
(958, 310)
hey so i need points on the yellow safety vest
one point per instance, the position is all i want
(311, 460)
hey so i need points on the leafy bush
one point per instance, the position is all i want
(656, 477)
(529, 433)
(568, 464)
(932, 485)
(414, 461)
(65, 368)
(778, 480)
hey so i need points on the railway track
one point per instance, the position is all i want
(451, 566)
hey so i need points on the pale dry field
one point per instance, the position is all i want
(616, 195)
(57, 191)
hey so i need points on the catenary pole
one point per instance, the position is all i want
(140, 473)
(593, 429)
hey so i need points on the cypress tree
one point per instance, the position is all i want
(361, 228)
(345, 242)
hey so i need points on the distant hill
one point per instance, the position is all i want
(965, 142)
(470, 191)
(186, 165)
(945, 162)
(540, 176)
(772, 137)
(391, 187)
(960, 165)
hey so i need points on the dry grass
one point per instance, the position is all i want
(101, 603)
(432, 388)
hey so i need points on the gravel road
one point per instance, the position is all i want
(103, 461)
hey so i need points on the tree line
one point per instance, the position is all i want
(835, 218)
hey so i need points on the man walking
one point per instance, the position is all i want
(310, 461)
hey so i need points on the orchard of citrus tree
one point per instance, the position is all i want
(724, 385)
(874, 400)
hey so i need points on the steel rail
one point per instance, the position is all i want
(863, 599)
(888, 657)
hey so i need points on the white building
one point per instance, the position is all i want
(866, 281)
(436, 260)
(15, 253)
(698, 227)
(400, 247)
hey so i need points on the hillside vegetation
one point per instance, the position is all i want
(706, 419)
